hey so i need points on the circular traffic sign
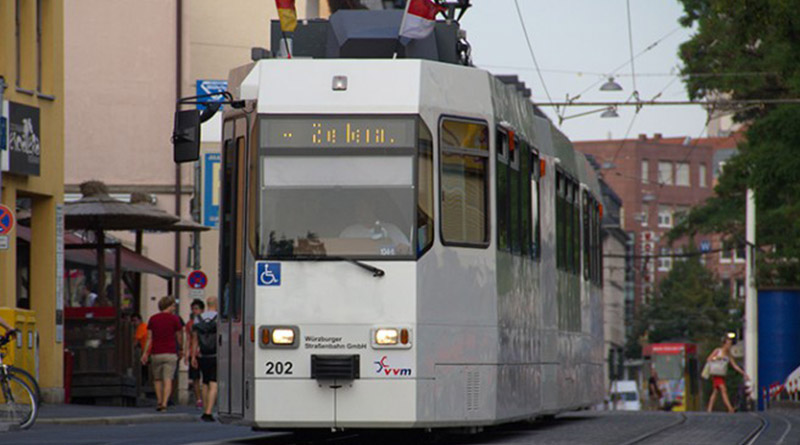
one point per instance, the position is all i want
(197, 280)
(6, 220)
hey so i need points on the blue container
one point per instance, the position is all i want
(778, 337)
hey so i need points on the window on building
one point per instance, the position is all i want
(645, 214)
(682, 174)
(664, 259)
(680, 214)
(739, 254)
(18, 41)
(725, 255)
(645, 171)
(464, 149)
(701, 175)
(665, 173)
(664, 216)
(719, 168)
(740, 289)
(726, 286)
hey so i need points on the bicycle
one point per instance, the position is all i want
(26, 377)
(18, 404)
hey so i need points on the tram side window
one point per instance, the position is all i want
(576, 229)
(587, 237)
(568, 225)
(464, 154)
(525, 198)
(514, 187)
(502, 198)
(425, 190)
(599, 242)
(226, 222)
(560, 223)
(535, 226)
(239, 224)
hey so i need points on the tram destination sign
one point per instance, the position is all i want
(337, 132)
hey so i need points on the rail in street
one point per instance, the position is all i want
(589, 427)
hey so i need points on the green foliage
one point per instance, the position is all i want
(750, 49)
(689, 305)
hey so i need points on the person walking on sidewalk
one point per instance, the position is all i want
(194, 372)
(163, 340)
(718, 362)
(204, 355)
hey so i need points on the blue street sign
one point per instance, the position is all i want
(705, 246)
(268, 274)
(208, 86)
(211, 189)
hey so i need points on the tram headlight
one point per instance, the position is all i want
(386, 336)
(282, 336)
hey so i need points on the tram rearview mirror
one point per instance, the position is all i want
(186, 136)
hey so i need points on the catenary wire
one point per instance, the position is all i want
(530, 49)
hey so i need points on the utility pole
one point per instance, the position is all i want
(751, 296)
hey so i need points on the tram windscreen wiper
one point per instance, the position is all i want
(376, 271)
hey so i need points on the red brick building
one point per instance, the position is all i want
(659, 180)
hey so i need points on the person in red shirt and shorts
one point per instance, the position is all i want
(164, 341)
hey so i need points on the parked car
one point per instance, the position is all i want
(625, 395)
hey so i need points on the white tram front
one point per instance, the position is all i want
(405, 243)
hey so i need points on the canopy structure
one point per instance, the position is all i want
(130, 260)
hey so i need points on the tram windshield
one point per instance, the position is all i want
(332, 201)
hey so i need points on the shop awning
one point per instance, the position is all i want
(130, 261)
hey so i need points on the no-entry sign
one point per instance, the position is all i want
(6, 220)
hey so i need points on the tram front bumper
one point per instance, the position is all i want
(360, 403)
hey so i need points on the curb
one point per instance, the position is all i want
(120, 420)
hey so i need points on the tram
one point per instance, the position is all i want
(405, 243)
(678, 374)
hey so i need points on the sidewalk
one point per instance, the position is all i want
(62, 414)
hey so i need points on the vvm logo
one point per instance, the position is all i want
(385, 368)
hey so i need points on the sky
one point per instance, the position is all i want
(577, 43)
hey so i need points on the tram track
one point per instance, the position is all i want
(649, 435)
(753, 436)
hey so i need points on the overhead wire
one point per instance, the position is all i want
(639, 54)
(530, 49)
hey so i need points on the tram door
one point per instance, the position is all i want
(230, 355)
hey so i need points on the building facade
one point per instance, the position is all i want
(659, 180)
(32, 163)
(127, 62)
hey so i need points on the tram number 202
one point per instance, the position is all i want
(279, 368)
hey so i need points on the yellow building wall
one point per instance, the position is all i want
(46, 190)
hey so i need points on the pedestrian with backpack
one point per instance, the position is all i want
(204, 355)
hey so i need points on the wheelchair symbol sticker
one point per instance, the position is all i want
(268, 274)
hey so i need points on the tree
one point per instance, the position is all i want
(689, 305)
(749, 49)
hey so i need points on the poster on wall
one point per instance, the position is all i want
(24, 146)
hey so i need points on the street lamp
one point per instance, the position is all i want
(610, 113)
(611, 85)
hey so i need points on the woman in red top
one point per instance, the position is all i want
(164, 340)
(723, 353)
